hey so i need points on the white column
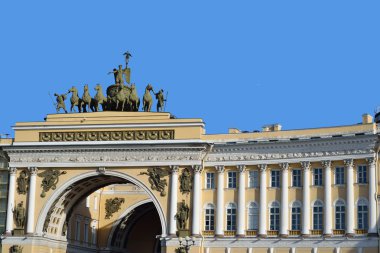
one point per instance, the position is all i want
(31, 200)
(11, 200)
(219, 231)
(284, 214)
(173, 199)
(196, 199)
(328, 203)
(350, 215)
(263, 201)
(306, 199)
(241, 202)
(372, 229)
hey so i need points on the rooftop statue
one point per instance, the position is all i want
(118, 97)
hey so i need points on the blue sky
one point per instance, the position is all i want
(242, 64)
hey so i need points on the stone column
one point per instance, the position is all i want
(173, 200)
(11, 200)
(372, 229)
(196, 200)
(31, 200)
(263, 201)
(284, 214)
(241, 202)
(328, 203)
(306, 199)
(219, 231)
(350, 209)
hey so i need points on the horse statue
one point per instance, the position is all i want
(134, 100)
(87, 100)
(99, 98)
(147, 102)
(75, 100)
(121, 97)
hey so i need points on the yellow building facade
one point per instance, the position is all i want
(92, 185)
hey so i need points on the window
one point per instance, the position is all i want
(296, 178)
(296, 216)
(210, 180)
(209, 217)
(93, 234)
(77, 230)
(275, 178)
(95, 202)
(231, 217)
(318, 215)
(88, 198)
(362, 214)
(339, 175)
(85, 232)
(253, 216)
(318, 177)
(232, 179)
(362, 174)
(274, 216)
(340, 215)
(253, 179)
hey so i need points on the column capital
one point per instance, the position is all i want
(33, 170)
(305, 165)
(197, 168)
(262, 167)
(284, 166)
(219, 168)
(241, 168)
(348, 163)
(174, 168)
(12, 170)
(326, 164)
(371, 161)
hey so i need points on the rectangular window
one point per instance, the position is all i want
(362, 174)
(85, 232)
(209, 219)
(93, 234)
(339, 175)
(275, 178)
(77, 230)
(318, 217)
(296, 218)
(362, 217)
(210, 180)
(253, 179)
(318, 177)
(231, 219)
(340, 217)
(95, 202)
(296, 174)
(232, 179)
(88, 198)
(274, 218)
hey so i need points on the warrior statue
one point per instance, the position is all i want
(127, 56)
(182, 215)
(118, 74)
(160, 100)
(61, 102)
(19, 215)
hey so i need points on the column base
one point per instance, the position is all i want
(327, 235)
(262, 235)
(305, 235)
(171, 236)
(219, 236)
(195, 235)
(350, 235)
(240, 236)
(372, 235)
(284, 235)
(8, 233)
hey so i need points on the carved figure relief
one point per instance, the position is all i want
(16, 249)
(50, 180)
(22, 182)
(157, 183)
(182, 215)
(19, 215)
(185, 181)
(112, 206)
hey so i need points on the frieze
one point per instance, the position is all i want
(130, 135)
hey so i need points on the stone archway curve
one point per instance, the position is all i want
(116, 224)
(62, 188)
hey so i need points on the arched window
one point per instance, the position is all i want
(274, 215)
(318, 215)
(231, 217)
(209, 217)
(253, 216)
(362, 214)
(296, 215)
(340, 215)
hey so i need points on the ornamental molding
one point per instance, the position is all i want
(130, 135)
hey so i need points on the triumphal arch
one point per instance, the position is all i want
(122, 180)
